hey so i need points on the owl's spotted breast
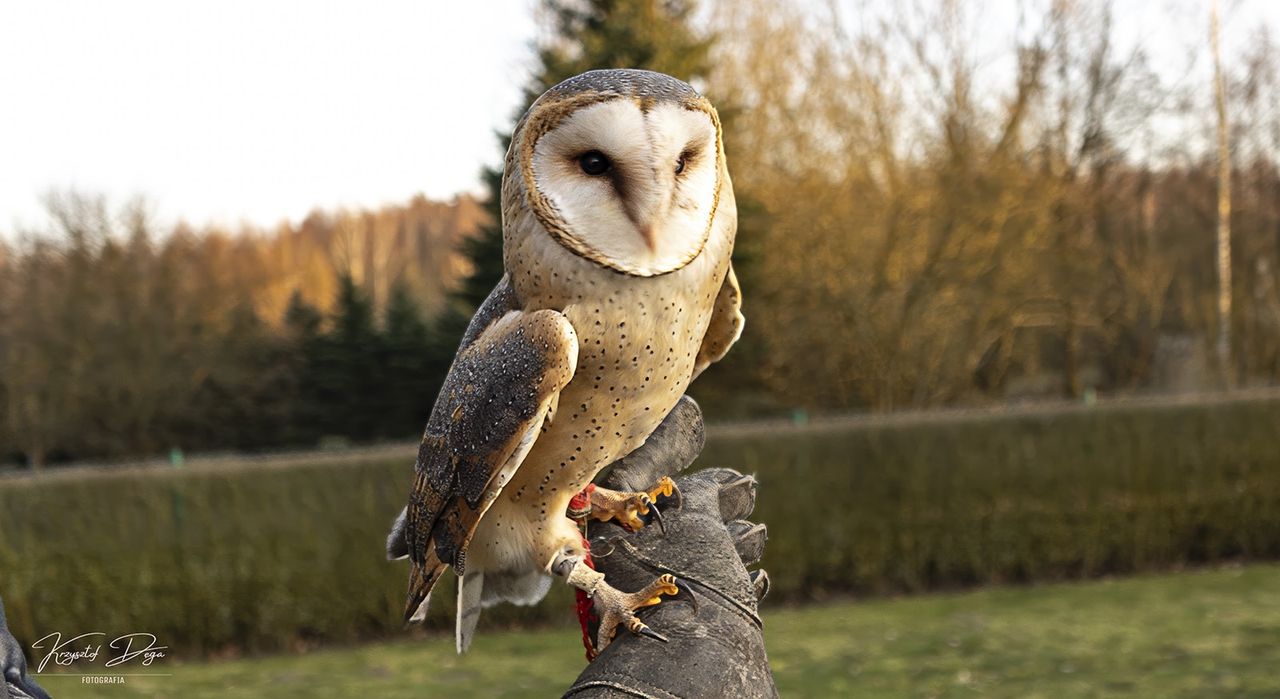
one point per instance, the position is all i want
(638, 345)
(632, 368)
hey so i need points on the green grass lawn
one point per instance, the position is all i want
(1193, 634)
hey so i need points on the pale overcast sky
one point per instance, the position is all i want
(234, 110)
(253, 110)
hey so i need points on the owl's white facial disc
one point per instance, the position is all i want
(635, 189)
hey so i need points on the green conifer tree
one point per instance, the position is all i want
(303, 325)
(412, 371)
(346, 369)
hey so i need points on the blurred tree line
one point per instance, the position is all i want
(118, 338)
(960, 217)
(930, 214)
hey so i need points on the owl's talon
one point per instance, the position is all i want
(640, 629)
(665, 488)
(627, 508)
(616, 608)
(666, 584)
(683, 593)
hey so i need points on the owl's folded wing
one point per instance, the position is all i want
(726, 324)
(500, 389)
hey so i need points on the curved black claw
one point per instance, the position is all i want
(684, 593)
(653, 497)
(657, 517)
(643, 630)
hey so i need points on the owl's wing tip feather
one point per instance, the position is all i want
(415, 608)
(419, 610)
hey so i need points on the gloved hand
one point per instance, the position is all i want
(16, 683)
(715, 646)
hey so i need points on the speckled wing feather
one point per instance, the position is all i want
(505, 380)
(726, 324)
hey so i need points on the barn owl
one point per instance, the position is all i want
(618, 224)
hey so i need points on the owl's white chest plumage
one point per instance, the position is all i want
(638, 339)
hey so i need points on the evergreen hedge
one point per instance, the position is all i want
(256, 557)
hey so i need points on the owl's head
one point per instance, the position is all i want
(623, 167)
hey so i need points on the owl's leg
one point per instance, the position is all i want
(614, 607)
(626, 508)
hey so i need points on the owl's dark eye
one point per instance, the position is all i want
(680, 165)
(594, 163)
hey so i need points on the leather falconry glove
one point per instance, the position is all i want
(714, 646)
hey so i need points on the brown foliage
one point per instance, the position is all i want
(948, 225)
(109, 327)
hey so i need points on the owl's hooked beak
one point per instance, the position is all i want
(646, 208)
(650, 238)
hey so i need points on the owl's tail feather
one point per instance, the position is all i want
(421, 579)
(470, 596)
